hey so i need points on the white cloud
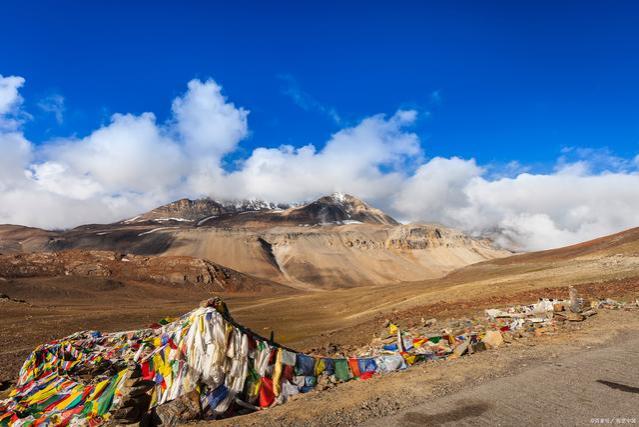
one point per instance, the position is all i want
(53, 104)
(134, 163)
(352, 160)
(129, 154)
(531, 211)
(9, 96)
(209, 125)
(305, 100)
(10, 101)
(16, 153)
(57, 179)
(436, 97)
(434, 192)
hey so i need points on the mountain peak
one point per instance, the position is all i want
(341, 197)
(340, 208)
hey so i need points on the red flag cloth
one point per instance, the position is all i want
(366, 375)
(147, 373)
(288, 372)
(66, 415)
(267, 395)
(354, 365)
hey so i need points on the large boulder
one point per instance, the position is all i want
(185, 408)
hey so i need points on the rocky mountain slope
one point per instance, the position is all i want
(16, 238)
(338, 209)
(334, 242)
(336, 256)
(169, 270)
(192, 211)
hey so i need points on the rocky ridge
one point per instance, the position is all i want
(188, 210)
(107, 264)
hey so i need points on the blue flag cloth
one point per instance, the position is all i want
(390, 347)
(367, 365)
(216, 396)
(329, 366)
(309, 384)
(304, 365)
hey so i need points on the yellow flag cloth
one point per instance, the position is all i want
(320, 366)
(277, 373)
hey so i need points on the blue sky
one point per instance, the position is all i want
(497, 81)
(517, 120)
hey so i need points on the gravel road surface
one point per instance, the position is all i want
(596, 386)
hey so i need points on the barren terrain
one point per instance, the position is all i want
(58, 305)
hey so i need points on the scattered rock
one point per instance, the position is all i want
(569, 316)
(460, 350)
(479, 346)
(7, 298)
(184, 408)
(493, 339)
(332, 348)
(576, 303)
(5, 388)
(430, 322)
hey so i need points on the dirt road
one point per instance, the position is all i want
(599, 386)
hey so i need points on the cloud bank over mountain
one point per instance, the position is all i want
(135, 163)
